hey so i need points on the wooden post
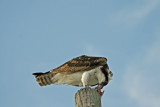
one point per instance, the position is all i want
(87, 97)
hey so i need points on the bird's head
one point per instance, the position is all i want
(108, 75)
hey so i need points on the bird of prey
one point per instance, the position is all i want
(80, 71)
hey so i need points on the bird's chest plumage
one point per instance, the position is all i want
(91, 77)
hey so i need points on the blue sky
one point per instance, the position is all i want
(38, 35)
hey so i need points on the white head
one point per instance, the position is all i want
(107, 74)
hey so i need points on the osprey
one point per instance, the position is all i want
(80, 71)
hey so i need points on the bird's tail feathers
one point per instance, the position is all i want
(44, 78)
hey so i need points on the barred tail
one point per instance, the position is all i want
(44, 78)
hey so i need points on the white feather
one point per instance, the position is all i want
(85, 78)
(92, 77)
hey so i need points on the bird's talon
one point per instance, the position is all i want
(99, 91)
(102, 93)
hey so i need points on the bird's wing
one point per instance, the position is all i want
(82, 63)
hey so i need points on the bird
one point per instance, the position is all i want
(84, 71)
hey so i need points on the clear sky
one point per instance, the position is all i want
(39, 35)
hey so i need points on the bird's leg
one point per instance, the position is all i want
(84, 79)
(99, 87)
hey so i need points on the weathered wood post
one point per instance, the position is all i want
(87, 97)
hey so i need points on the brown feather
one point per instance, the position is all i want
(82, 63)
(44, 78)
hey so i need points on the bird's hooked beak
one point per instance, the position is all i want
(103, 84)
